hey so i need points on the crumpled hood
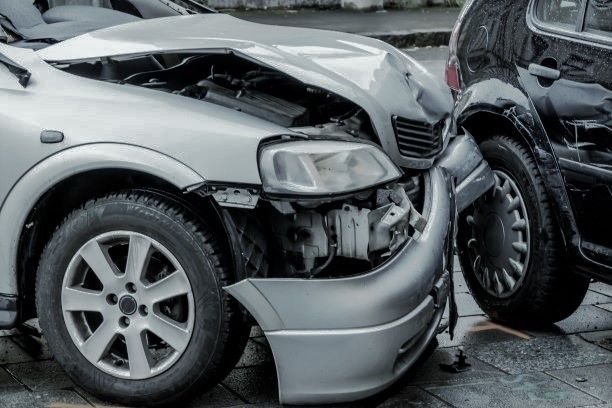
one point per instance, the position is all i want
(376, 76)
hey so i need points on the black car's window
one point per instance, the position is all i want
(563, 13)
(599, 17)
(583, 19)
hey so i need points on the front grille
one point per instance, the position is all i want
(418, 139)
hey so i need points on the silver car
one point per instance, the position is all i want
(171, 177)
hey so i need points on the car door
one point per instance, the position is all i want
(567, 71)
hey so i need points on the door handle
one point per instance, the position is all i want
(544, 72)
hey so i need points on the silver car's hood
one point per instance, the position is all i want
(381, 79)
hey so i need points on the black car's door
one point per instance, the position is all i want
(567, 71)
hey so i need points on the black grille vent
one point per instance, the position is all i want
(418, 139)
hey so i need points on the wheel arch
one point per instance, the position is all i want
(519, 119)
(30, 213)
(478, 124)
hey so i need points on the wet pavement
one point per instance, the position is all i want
(565, 365)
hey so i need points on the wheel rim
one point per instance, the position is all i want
(499, 242)
(128, 305)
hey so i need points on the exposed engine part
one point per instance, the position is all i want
(237, 83)
(249, 101)
(309, 236)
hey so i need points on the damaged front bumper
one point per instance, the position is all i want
(339, 340)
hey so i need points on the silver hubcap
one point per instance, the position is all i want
(499, 245)
(128, 305)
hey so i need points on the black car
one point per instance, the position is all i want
(533, 84)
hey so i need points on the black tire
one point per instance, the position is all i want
(549, 291)
(219, 333)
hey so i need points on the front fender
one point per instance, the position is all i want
(42, 177)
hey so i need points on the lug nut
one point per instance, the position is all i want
(124, 322)
(143, 310)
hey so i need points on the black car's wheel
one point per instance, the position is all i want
(510, 245)
(129, 296)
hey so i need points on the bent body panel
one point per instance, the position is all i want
(368, 72)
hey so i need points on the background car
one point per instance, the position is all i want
(533, 82)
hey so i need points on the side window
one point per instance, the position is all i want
(599, 17)
(562, 13)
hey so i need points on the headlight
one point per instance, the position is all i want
(323, 167)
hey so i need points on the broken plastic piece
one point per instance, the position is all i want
(460, 365)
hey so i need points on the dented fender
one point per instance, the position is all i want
(509, 103)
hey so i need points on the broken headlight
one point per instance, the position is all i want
(323, 167)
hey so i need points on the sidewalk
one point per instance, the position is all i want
(400, 28)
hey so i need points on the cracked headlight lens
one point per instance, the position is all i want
(323, 167)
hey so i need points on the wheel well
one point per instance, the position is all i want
(480, 124)
(68, 195)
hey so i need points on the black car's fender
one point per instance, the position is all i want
(493, 106)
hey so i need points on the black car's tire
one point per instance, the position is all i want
(548, 290)
(218, 335)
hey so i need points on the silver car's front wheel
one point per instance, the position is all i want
(130, 299)
(128, 305)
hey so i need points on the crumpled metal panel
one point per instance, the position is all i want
(381, 79)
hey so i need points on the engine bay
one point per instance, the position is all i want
(234, 82)
(326, 239)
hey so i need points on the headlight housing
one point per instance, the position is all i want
(323, 167)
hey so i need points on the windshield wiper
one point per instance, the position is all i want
(22, 74)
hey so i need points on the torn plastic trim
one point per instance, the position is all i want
(236, 197)
(229, 195)
(464, 162)
(327, 370)
(22, 74)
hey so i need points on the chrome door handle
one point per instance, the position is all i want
(544, 72)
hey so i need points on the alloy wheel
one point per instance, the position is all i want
(499, 243)
(128, 305)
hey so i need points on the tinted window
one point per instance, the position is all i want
(599, 17)
(563, 13)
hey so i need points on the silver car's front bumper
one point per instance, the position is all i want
(339, 340)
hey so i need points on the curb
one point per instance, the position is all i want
(408, 39)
